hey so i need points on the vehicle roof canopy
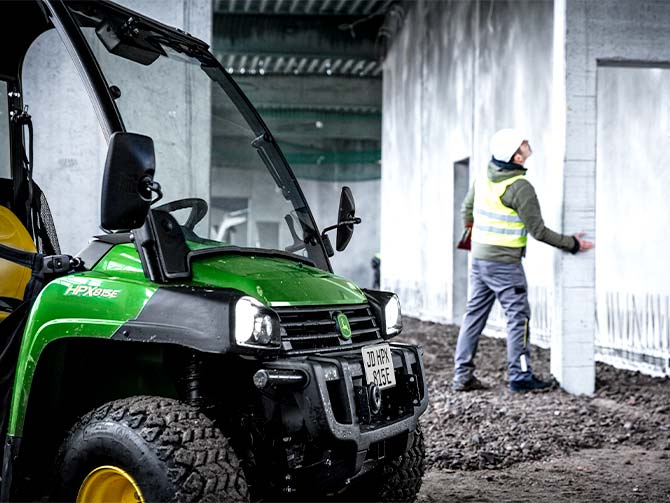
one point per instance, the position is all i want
(22, 21)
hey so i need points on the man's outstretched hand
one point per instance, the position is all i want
(584, 245)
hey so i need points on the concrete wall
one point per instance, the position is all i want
(424, 131)
(619, 34)
(456, 73)
(69, 145)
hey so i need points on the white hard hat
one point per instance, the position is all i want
(505, 142)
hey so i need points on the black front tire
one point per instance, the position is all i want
(396, 480)
(172, 451)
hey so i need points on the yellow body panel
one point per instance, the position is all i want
(13, 277)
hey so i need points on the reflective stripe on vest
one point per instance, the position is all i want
(496, 224)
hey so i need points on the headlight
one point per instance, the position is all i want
(393, 316)
(255, 324)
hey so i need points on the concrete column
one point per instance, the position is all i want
(573, 335)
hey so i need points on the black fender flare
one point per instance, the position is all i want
(199, 318)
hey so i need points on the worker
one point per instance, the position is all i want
(502, 208)
(375, 263)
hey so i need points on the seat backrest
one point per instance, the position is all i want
(13, 277)
(45, 231)
(46, 237)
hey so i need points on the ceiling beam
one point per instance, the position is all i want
(325, 5)
(299, 36)
(308, 6)
(294, 6)
(355, 5)
(360, 8)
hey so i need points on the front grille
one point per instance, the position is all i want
(308, 330)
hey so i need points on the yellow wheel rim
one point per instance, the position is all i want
(109, 484)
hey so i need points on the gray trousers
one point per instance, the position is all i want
(507, 283)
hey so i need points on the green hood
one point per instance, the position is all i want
(275, 281)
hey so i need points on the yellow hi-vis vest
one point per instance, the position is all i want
(496, 224)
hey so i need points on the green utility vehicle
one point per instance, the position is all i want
(159, 364)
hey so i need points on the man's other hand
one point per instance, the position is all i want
(584, 245)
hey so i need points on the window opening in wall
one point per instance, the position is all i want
(460, 273)
(632, 277)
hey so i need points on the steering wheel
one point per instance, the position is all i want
(198, 210)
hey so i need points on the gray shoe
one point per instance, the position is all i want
(471, 384)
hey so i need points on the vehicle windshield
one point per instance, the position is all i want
(222, 175)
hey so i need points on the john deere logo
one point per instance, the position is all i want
(343, 325)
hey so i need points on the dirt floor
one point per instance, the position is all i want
(493, 445)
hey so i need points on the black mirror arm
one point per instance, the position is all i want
(153, 187)
(353, 221)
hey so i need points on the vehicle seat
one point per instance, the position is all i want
(13, 277)
(45, 231)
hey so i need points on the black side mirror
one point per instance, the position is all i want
(127, 184)
(345, 219)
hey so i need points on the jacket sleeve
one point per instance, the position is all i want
(468, 204)
(521, 197)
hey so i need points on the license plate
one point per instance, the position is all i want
(378, 364)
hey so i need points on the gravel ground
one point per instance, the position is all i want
(489, 431)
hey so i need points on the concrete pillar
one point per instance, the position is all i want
(573, 335)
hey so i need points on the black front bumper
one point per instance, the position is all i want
(335, 412)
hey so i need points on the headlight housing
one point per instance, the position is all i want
(256, 325)
(392, 316)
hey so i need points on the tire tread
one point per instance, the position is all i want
(199, 460)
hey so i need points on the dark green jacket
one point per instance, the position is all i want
(521, 197)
